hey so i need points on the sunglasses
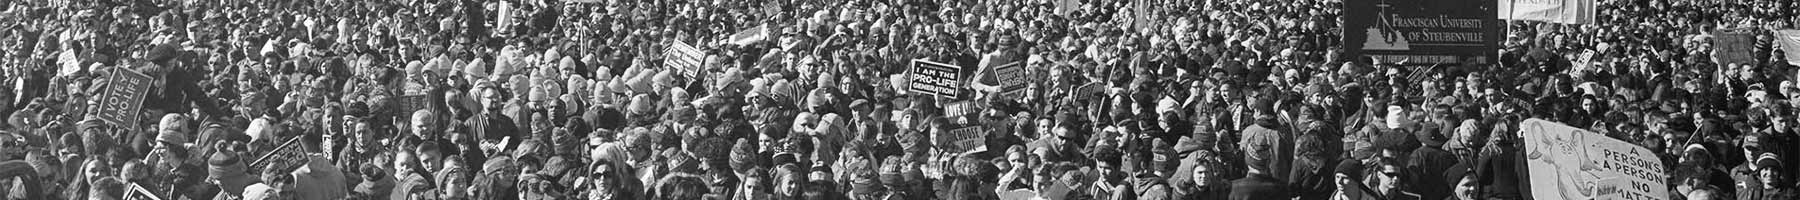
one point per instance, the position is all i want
(1390, 174)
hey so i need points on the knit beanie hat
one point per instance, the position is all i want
(744, 155)
(1353, 169)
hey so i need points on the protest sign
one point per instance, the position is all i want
(771, 9)
(286, 157)
(1089, 91)
(926, 77)
(1790, 45)
(1009, 79)
(70, 64)
(1420, 32)
(962, 139)
(749, 36)
(1570, 163)
(684, 57)
(958, 110)
(1012, 79)
(1734, 46)
(139, 192)
(124, 96)
(413, 97)
(1553, 11)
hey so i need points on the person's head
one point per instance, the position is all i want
(1107, 159)
(1018, 158)
(1065, 138)
(1752, 146)
(11, 146)
(429, 156)
(1769, 170)
(1465, 187)
(95, 168)
(365, 136)
(423, 123)
(1348, 175)
(1389, 175)
(492, 98)
(455, 185)
(1206, 173)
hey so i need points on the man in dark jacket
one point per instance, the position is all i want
(1431, 159)
(490, 126)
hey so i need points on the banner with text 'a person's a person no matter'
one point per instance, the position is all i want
(1570, 163)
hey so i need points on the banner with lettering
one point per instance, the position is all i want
(684, 57)
(1790, 45)
(1734, 46)
(123, 97)
(1422, 31)
(286, 157)
(749, 36)
(963, 110)
(962, 139)
(1553, 11)
(1570, 163)
(933, 78)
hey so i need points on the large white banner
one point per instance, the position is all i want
(1555, 11)
(1570, 163)
(1790, 45)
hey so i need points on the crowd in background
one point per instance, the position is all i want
(547, 99)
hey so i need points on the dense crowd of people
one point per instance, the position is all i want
(1148, 99)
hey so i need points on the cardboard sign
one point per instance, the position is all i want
(1431, 33)
(123, 97)
(413, 97)
(1570, 163)
(1553, 11)
(138, 192)
(1790, 45)
(684, 57)
(1001, 77)
(960, 111)
(962, 139)
(771, 9)
(933, 78)
(1734, 46)
(1087, 92)
(286, 157)
(70, 63)
(749, 36)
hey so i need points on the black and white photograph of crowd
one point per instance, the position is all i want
(900, 99)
